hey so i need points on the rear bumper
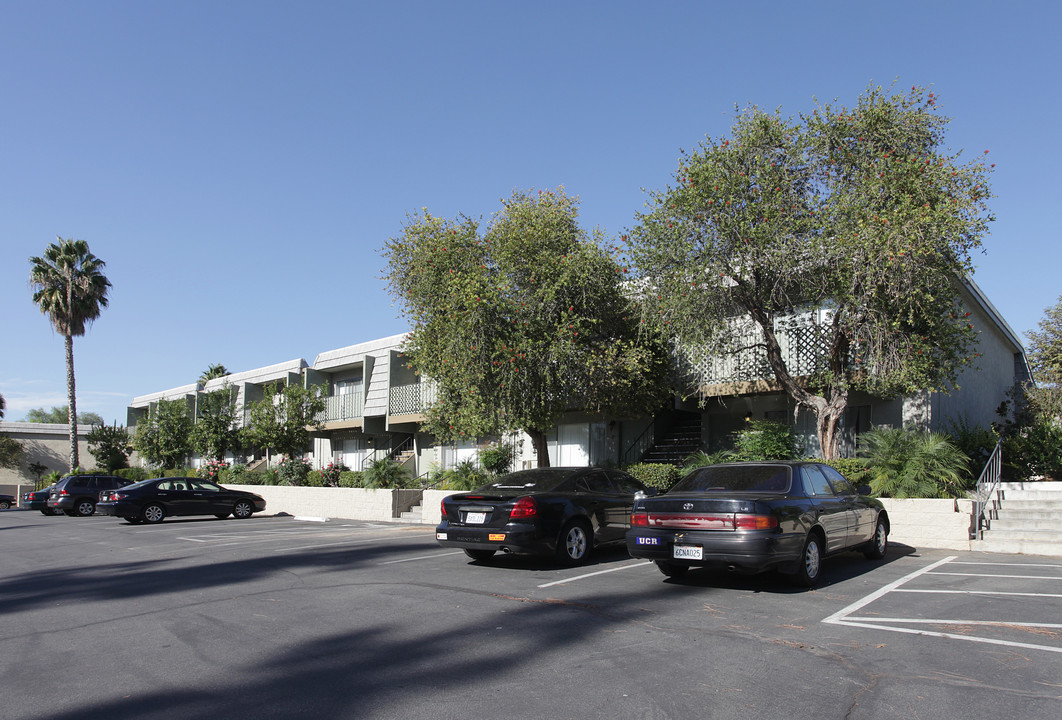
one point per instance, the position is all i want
(513, 537)
(750, 551)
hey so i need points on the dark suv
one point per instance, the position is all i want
(77, 495)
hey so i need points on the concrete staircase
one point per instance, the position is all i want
(680, 441)
(1027, 519)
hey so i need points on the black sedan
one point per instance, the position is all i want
(153, 500)
(563, 511)
(38, 500)
(6, 501)
(751, 517)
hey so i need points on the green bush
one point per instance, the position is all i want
(914, 464)
(293, 471)
(462, 477)
(351, 479)
(655, 475)
(136, 474)
(497, 458)
(385, 474)
(765, 440)
(1033, 451)
(315, 478)
(701, 458)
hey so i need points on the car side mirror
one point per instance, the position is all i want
(864, 490)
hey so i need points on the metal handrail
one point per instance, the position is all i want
(637, 449)
(986, 488)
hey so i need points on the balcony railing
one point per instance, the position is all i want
(411, 399)
(343, 407)
(803, 349)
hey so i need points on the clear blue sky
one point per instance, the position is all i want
(240, 164)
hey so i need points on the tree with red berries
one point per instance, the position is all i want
(850, 228)
(521, 322)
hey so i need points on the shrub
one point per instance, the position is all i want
(385, 474)
(497, 458)
(1033, 451)
(765, 440)
(330, 474)
(464, 476)
(914, 464)
(211, 470)
(314, 479)
(136, 474)
(351, 479)
(977, 443)
(293, 471)
(656, 475)
(701, 458)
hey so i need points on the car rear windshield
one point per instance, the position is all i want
(736, 478)
(537, 479)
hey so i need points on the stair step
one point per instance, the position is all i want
(1021, 547)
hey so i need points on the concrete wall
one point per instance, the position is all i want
(44, 443)
(930, 523)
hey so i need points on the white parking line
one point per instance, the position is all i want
(599, 572)
(844, 616)
(422, 557)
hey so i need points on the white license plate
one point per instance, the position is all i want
(475, 518)
(687, 552)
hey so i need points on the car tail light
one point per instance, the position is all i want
(63, 492)
(442, 507)
(755, 522)
(640, 518)
(525, 507)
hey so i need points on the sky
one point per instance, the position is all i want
(240, 165)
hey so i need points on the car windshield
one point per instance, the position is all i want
(536, 479)
(736, 478)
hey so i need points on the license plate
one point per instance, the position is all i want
(440, 536)
(475, 518)
(688, 552)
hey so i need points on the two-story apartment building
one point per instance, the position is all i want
(375, 403)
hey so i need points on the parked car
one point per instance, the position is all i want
(752, 517)
(6, 501)
(153, 500)
(77, 495)
(563, 511)
(38, 500)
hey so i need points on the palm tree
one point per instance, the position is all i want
(69, 287)
(215, 370)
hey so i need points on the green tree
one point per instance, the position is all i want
(11, 452)
(1045, 359)
(164, 436)
(59, 415)
(110, 445)
(848, 230)
(71, 289)
(282, 420)
(215, 370)
(522, 322)
(217, 425)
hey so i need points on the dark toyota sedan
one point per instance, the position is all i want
(751, 517)
(563, 511)
(151, 501)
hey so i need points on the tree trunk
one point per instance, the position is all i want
(72, 399)
(538, 443)
(827, 419)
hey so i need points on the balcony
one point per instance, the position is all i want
(412, 399)
(746, 369)
(343, 408)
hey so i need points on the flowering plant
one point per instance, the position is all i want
(330, 473)
(211, 470)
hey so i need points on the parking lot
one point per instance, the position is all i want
(274, 617)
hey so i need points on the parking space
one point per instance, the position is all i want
(1013, 601)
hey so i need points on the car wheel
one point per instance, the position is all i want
(153, 513)
(84, 508)
(671, 569)
(810, 561)
(221, 516)
(242, 509)
(879, 544)
(5, 504)
(481, 555)
(575, 542)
